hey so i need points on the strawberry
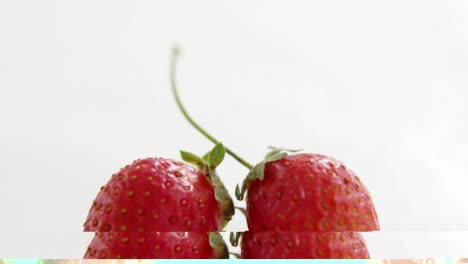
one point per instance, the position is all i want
(306, 192)
(156, 245)
(158, 194)
(303, 245)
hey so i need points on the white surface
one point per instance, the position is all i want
(379, 85)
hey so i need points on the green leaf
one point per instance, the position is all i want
(220, 194)
(240, 195)
(217, 155)
(273, 156)
(206, 157)
(251, 175)
(234, 238)
(216, 240)
(192, 158)
(275, 151)
(231, 236)
(259, 170)
(283, 149)
(237, 191)
(270, 154)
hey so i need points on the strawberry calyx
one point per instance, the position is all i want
(208, 164)
(217, 243)
(258, 171)
(234, 238)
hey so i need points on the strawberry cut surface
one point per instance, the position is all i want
(155, 194)
(309, 192)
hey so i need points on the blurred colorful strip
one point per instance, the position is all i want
(164, 261)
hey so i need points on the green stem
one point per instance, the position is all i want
(175, 54)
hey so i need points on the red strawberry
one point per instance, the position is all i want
(306, 192)
(157, 194)
(156, 245)
(303, 245)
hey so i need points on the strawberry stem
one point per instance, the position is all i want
(175, 54)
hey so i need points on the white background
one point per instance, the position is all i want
(380, 85)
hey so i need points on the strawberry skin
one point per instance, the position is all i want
(303, 245)
(156, 194)
(153, 245)
(309, 192)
